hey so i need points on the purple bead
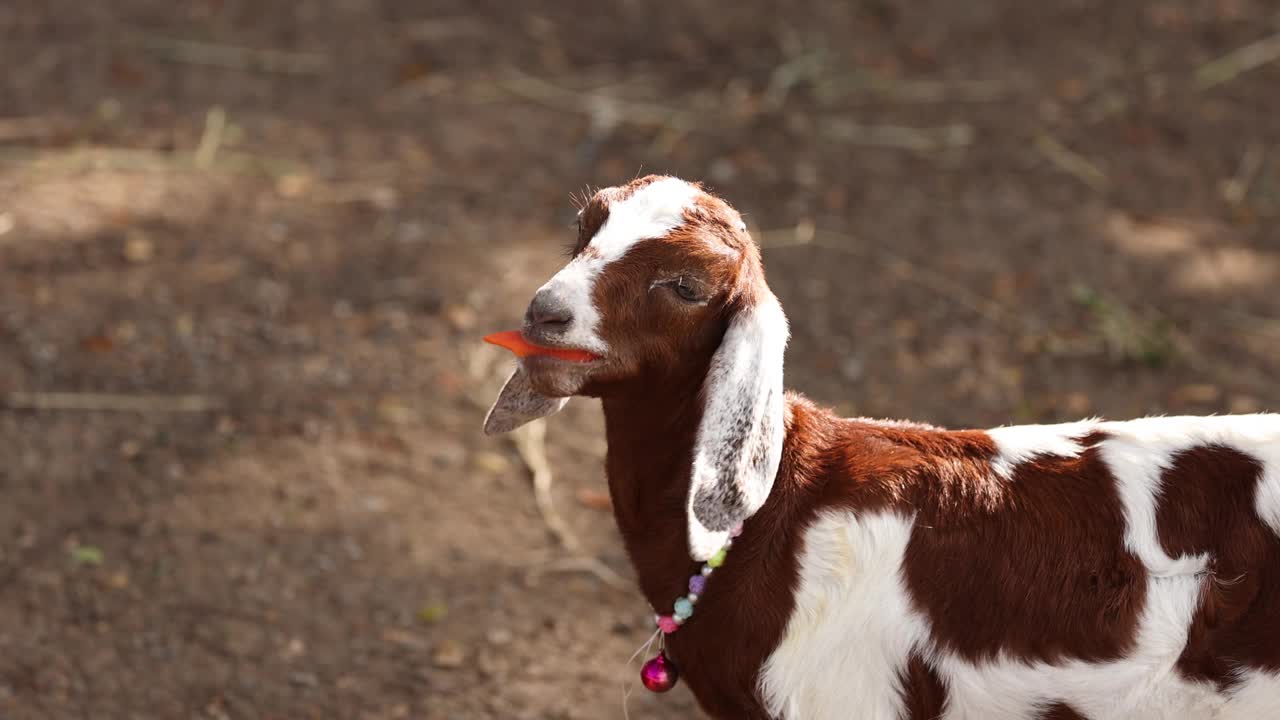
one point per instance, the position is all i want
(659, 674)
(697, 584)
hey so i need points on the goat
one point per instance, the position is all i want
(1102, 570)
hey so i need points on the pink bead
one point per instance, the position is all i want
(667, 624)
(659, 674)
(736, 531)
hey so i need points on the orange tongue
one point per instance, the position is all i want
(515, 342)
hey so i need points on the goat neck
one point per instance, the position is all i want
(650, 427)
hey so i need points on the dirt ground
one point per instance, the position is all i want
(247, 250)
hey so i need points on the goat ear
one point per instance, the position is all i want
(518, 403)
(739, 443)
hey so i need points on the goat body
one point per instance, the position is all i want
(1100, 570)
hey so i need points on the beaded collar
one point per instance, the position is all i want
(660, 674)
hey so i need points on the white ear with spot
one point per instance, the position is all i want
(518, 403)
(739, 443)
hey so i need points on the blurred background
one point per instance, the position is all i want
(248, 249)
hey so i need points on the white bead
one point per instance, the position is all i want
(693, 597)
(706, 570)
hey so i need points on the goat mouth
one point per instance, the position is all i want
(515, 341)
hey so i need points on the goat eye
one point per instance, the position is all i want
(687, 291)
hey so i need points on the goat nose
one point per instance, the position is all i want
(548, 309)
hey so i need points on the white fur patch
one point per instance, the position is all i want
(1138, 467)
(1257, 696)
(1268, 498)
(651, 212)
(1017, 444)
(739, 443)
(853, 629)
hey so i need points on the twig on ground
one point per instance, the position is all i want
(130, 159)
(1237, 62)
(104, 402)
(530, 443)
(578, 564)
(592, 104)
(893, 136)
(838, 88)
(233, 57)
(1236, 189)
(804, 67)
(1071, 162)
(1106, 106)
(215, 121)
(77, 158)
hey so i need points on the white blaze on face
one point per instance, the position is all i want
(651, 212)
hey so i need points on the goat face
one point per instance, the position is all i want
(665, 281)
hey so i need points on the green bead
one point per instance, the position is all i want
(683, 608)
(717, 560)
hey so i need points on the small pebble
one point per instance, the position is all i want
(491, 462)
(460, 317)
(449, 654)
(395, 412)
(138, 248)
(432, 613)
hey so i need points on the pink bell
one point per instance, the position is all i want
(659, 674)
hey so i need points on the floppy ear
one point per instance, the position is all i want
(739, 443)
(518, 403)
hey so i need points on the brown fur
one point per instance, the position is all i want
(1061, 711)
(1208, 506)
(923, 693)
(1056, 572)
